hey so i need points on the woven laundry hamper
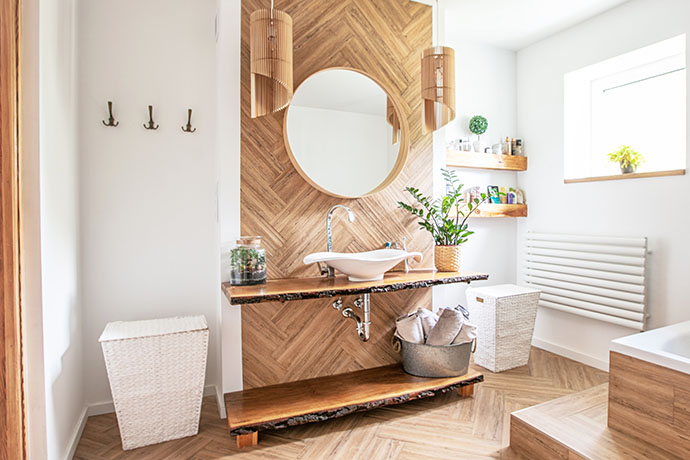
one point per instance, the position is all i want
(505, 317)
(156, 370)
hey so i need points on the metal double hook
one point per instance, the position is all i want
(150, 124)
(188, 127)
(111, 119)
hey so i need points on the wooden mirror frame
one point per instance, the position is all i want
(12, 406)
(404, 139)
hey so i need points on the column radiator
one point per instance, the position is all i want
(597, 277)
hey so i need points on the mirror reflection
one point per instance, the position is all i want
(340, 133)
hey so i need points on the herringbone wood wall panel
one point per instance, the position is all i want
(290, 341)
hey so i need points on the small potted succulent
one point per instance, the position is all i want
(627, 158)
(478, 126)
(446, 219)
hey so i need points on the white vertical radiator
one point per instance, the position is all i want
(602, 278)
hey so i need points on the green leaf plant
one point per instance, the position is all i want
(435, 214)
(478, 125)
(626, 157)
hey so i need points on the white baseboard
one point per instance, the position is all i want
(76, 434)
(572, 354)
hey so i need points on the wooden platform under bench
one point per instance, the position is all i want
(323, 398)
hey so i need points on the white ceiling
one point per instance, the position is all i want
(515, 24)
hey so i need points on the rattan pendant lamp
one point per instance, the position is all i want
(270, 46)
(438, 84)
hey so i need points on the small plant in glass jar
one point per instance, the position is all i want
(248, 262)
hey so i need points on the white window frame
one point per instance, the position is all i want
(582, 87)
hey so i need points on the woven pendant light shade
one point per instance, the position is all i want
(392, 118)
(438, 87)
(270, 46)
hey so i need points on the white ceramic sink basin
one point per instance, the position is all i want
(363, 266)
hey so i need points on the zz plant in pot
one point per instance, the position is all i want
(445, 218)
(627, 158)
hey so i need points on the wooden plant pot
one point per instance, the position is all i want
(447, 258)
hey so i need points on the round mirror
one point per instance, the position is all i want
(344, 134)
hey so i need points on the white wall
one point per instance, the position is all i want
(31, 292)
(228, 145)
(640, 207)
(149, 214)
(485, 85)
(60, 236)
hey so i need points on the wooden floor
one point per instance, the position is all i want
(443, 427)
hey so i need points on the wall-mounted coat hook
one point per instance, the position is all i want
(111, 119)
(188, 128)
(150, 124)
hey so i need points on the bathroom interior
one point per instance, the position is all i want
(476, 250)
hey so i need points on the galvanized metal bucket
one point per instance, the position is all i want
(434, 360)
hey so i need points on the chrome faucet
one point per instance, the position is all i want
(351, 217)
(396, 245)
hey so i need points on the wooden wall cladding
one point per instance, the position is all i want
(650, 402)
(289, 341)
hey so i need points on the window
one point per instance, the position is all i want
(637, 99)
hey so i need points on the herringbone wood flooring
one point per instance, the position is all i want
(383, 38)
(443, 427)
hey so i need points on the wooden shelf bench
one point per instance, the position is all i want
(313, 400)
(323, 398)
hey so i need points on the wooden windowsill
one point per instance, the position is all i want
(672, 172)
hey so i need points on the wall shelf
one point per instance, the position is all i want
(485, 161)
(281, 290)
(323, 398)
(500, 210)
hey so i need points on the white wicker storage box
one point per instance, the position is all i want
(505, 317)
(156, 370)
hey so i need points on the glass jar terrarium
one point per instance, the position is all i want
(248, 262)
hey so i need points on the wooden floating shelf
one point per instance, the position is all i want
(323, 398)
(485, 161)
(500, 210)
(314, 288)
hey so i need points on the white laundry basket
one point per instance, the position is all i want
(156, 370)
(505, 317)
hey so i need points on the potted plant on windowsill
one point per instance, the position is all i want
(627, 158)
(449, 231)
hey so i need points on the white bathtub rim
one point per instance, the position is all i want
(632, 346)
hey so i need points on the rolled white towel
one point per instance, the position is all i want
(429, 320)
(447, 328)
(409, 328)
(468, 332)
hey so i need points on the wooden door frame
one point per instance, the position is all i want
(12, 404)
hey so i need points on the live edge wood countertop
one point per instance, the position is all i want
(313, 288)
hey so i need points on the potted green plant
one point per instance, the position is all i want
(445, 218)
(478, 126)
(627, 158)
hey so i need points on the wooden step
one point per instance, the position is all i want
(323, 398)
(574, 427)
